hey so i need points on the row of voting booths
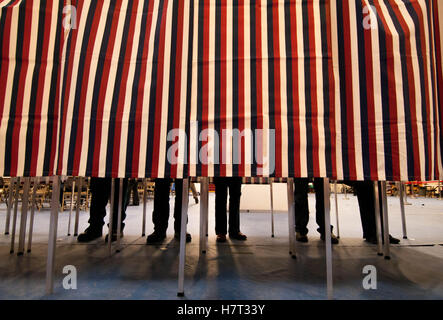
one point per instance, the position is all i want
(340, 90)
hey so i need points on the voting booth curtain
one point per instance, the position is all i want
(251, 88)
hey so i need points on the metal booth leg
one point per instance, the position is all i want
(14, 218)
(386, 247)
(181, 267)
(328, 242)
(119, 215)
(71, 208)
(78, 202)
(291, 218)
(24, 217)
(111, 216)
(31, 222)
(144, 208)
(204, 206)
(336, 210)
(377, 218)
(10, 204)
(402, 209)
(272, 210)
(50, 265)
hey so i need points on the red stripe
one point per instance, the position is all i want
(158, 100)
(277, 92)
(242, 120)
(141, 93)
(41, 89)
(412, 91)
(331, 95)
(67, 88)
(349, 96)
(417, 8)
(372, 127)
(123, 94)
(178, 77)
(21, 90)
(5, 62)
(314, 102)
(295, 90)
(258, 147)
(222, 116)
(103, 88)
(85, 88)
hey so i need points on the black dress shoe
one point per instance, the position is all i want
(373, 240)
(238, 236)
(334, 239)
(188, 237)
(301, 237)
(89, 235)
(114, 237)
(156, 238)
(221, 238)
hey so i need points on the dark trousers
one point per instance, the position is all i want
(366, 201)
(221, 197)
(133, 186)
(302, 206)
(160, 216)
(100, 195)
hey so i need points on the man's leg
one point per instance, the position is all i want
(126, 196)
(160, 216)
(301, 206)
(221, 198)
(234, 209)
(320, 210)
(178, 210)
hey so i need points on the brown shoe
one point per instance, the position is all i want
(221, 238)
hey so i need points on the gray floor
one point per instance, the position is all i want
(257, 269)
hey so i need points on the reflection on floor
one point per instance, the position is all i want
(257, 269)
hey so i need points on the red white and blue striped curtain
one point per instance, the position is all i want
(138, 81)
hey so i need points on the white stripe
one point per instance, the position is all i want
(9, 83)
(301, 91)
(265, 87)
(90, 88)
(27, 90)
(320, 88)
(401, 120)
(247, 90)
(128, 91)
(429, 72)
(46, 88)
(337, 101)
(227, 150)
(147, 93)
(283, 90)
(72, 90)
(211, 93)
(183, 143)
(110, 88)
(356, 91)
(194, 96)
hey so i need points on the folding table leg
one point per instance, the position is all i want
(71, 208)
(119, 215)
(50, 265)
(31, 222)
(144, 208)
(204, 206)
(24, 217)
(328, 242)
(402, 208)
(14, 218)
(272, 210)
(291, 218)
(386, 247)
(111, 215)
(182, 260)
(10, 204)
(377, 218)
(78, 202)
(336, 209)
